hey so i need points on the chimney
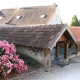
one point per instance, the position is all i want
(55, 5)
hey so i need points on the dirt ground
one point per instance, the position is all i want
(68, 72)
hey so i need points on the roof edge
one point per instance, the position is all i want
(65, 27)
(68, 29)
(57, 37)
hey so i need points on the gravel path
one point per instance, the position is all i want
(68, 72)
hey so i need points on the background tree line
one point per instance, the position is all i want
(75, 21)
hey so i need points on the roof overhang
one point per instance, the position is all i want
(52, 43)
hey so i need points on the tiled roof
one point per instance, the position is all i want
(1, 14)
(76, 32)
(41, 36)
(8, 14)
(29, 15)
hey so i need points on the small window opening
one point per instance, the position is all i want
(18, 17)
(43, 16)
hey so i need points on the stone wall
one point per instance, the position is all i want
(37, 54)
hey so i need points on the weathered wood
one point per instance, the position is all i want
(46, 51)
(56, 51)
(47, 56)
(66, 51)
(77, 49)
(63, 38)
(61, 42)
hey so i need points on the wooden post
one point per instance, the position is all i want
(77, 49)
(56, 51)
(47, 56)
(66, 50)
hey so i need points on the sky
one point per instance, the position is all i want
(67, 8)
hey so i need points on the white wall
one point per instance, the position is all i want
(56, 17)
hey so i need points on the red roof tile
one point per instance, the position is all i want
(76, 32)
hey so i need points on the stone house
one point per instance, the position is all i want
(31, 16)
(39, 42)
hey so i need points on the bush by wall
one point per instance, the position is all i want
(9, 60)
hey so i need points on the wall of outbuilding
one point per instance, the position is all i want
(36, 54)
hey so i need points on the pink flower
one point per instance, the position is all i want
(17, 56)
(4, 57)
(25, 67)
(5, 42)
(8, 71)
(6, 52)
(9, 60)
(11, 56)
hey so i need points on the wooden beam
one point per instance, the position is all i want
(61, 41)
(66, 50)
(56, 51)
(47, 58)
(77, 47)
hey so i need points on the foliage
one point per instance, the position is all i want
(79, 22)
(30, 61)
(74, 21)
(9, 60)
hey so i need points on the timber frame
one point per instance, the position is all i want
(65, 49)
(45, 38)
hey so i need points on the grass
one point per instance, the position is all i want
(29, 61)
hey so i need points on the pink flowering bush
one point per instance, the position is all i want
(9, 60)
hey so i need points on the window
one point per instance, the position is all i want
(43, 16)
(18, 17)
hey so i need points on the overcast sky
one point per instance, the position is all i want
(67, 7)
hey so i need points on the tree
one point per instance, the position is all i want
(74, 21)
(79, 22)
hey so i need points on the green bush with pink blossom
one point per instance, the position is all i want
(9, 60)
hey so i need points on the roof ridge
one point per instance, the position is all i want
(54, 25)
(36, 6)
